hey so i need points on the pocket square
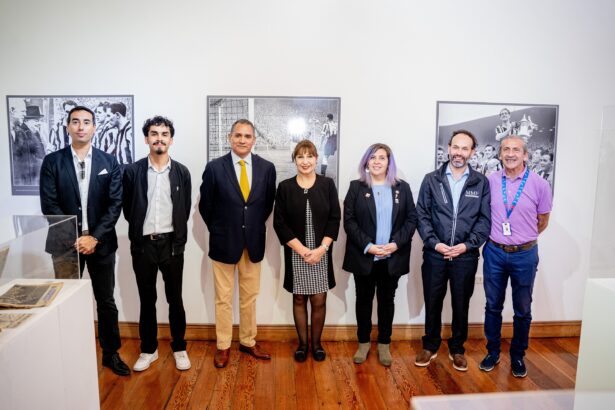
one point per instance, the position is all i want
(103, 172)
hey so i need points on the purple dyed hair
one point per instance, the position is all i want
(391, 176)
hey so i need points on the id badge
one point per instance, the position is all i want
(506, 228)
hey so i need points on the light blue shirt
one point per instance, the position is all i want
(383, 198)
(456, 186)
(248, 161)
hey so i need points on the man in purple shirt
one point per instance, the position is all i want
(520, 206)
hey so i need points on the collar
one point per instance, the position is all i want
(151, 165)
(88, 155)
(449, 172)
(520, 176)
(235, 158)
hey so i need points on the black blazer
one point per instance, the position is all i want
(289, 219)
(59, 193)
(135, 203)
(360, 226)
(235, 224)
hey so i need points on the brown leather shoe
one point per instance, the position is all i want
(459, 362)
(424, 358)
(221, 357)
(255, 351)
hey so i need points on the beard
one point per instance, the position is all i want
(459, 162)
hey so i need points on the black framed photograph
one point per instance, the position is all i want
(280, 123)
(37, 127)
(490, 122)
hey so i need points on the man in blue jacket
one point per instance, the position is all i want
(454, 221)
(157, 201)
(237, 197)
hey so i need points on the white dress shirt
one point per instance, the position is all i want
(159, 215)
(248, 160)
(83, 168)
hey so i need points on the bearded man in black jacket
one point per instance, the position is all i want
(157, 200)
(454, 221)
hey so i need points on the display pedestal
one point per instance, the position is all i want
(49, 361)
(596, 359)
(546, 399)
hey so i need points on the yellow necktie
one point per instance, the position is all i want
(243, 180)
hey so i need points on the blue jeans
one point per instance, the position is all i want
(498, 266)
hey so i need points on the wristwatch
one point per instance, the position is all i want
(325, 246)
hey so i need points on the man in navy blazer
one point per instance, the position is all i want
(237, 196)
(84, 181)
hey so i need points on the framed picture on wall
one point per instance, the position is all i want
(37, 127)
(280, 123)
(490, 122)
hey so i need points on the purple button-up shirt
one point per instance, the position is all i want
(534, 200)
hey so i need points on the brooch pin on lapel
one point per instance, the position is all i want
(396, 196)
(367, 195)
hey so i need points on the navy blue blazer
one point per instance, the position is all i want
(235, 224)
(59, 194)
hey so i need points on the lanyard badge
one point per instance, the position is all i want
(506, 229)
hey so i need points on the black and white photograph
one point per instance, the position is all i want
(37, 127)
(280, 123)
(490, 122)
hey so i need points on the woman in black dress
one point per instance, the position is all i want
(306, 220)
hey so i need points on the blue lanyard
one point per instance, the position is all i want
(517, 195)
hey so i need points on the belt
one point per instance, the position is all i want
(158, 236)
(85, 232)
(515, 248)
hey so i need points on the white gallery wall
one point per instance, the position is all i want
(389, 61)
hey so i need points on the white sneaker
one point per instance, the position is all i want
(181, 360)
(144, 360)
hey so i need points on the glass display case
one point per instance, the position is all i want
(43, 248)
(602, 261)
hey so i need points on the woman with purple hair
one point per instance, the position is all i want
(379, 219)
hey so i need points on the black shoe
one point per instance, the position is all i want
(518, 367)
(115, 363)
(301, 353)
(319, 354)
(489, 362)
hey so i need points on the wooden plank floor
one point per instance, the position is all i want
(281, 383)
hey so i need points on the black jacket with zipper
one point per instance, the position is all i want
(135, 203)
(438, 222)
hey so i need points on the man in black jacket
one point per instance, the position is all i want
(84, 181)
(454, 221)
(157, 200)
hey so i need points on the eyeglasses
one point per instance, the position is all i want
(82, 172)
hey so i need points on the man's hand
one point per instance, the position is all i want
(442, 248)
(86, 244)
(450, 252)
(456, 250)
